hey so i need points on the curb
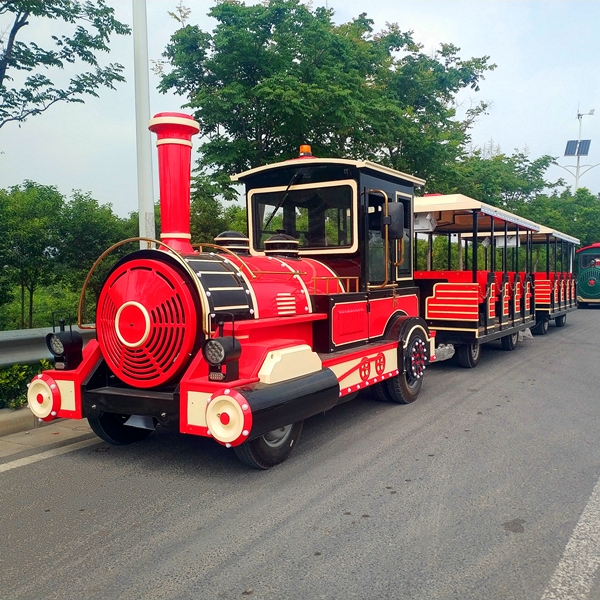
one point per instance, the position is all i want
(16, 421)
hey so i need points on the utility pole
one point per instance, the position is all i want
(142, 117)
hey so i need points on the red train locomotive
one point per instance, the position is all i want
(243, 340)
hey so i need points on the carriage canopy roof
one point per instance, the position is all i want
(454, 214)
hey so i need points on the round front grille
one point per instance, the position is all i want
(588, 283)
(146, 322)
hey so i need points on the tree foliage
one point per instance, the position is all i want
(86, 230)
(29, 216)
(507, 181)
(26, 87)
(272, 76)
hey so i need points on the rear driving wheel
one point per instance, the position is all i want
(271, 448)
(405, 387)
(381, 392)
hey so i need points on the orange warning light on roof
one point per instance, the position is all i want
(305, 150)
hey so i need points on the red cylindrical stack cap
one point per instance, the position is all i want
(175, 131)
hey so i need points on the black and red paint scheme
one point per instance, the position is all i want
(242, 340)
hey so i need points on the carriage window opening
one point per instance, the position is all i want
(318, 217)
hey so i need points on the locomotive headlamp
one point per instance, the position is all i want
(222, 353)
(66, 347)
(55, 345)
(221, 350)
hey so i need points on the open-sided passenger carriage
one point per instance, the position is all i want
(490, 295)
(555, 286)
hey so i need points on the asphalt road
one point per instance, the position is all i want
(479, 490)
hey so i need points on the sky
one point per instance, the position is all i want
(548, 70)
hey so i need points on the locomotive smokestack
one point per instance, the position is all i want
(174, 131)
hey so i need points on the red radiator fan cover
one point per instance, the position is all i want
(146, 322)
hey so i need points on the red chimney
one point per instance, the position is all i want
(174, 131)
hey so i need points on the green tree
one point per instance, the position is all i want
(30, 218)
(86, 230)
(92, 24)
(577, 215)
(6, 283)
(507, 181)
(274, 75)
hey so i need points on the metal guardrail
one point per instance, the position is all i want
(28, 346)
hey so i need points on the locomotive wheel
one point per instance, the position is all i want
(541, 328)
(112, 429)
(560, 321)
(271, 448)
(469, 355)
(509, 342)
(405, 387)
(380, 391)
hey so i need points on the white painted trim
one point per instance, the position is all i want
(301, 251)
(174, 121)
(175, 141)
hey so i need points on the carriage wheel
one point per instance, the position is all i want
(560, 321)
(541, 328)
(112, 429)
(469, 355)
(405, 387)
(509, 342)
(271, 448)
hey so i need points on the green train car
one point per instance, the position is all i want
(588, 280)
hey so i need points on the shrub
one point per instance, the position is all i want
(14, 380)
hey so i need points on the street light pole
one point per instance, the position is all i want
(580, 117)
(142, 117)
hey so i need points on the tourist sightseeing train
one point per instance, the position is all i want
(242, 340)
(588, 278)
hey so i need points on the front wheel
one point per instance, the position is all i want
(560, 321)
(405, 387)
(112, 429)
(271, 448)
(509, 342)
(469, 355)
(541, 328)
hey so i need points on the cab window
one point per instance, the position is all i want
(318, 217)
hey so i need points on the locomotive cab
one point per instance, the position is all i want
(355, 216)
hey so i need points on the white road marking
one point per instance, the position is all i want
(28, 460)
(574, 576)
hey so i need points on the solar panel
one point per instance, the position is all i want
(571, 149)
(584, 147)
